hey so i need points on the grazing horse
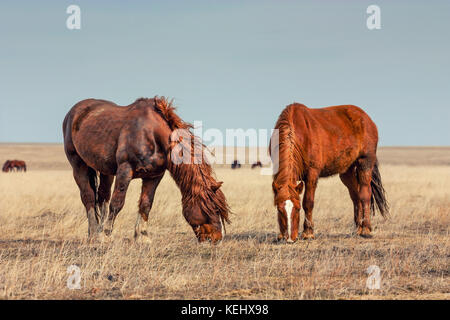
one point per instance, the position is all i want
(257, 164)
(140, 140)
(18, 165)
(316, 143)
(235, 165)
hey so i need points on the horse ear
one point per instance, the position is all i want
(299, 187)
(216, 186)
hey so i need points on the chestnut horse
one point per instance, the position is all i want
(140, 140)
(316, 143)
(18, 165)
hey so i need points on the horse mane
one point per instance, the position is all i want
(166, 110)
(290, 166)
(195, 180)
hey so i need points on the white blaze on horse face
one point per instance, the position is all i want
(288, 206)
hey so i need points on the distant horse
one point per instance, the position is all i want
(317, 143)
(235, 165)
(140, 140)
(257, 164)
(11, 165)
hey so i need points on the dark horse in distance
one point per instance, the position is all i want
(257, 164)
(316, 143)
(11, 165)
(236, 164)
(140, 140)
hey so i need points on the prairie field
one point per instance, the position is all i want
(43, 231)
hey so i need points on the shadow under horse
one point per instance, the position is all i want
(314, 143)
(140, 140)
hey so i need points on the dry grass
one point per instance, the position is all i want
(43, 229)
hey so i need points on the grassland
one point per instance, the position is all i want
(43, 229)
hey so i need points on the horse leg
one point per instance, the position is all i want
(104, 195)
(80, 173)
(308, 204)
(364, 173)
(145, 205)
(350, 180)
(123, 177)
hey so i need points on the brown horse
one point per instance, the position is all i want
(236, 164)
(140, 140)
(257, 164)
(11, 165)
(317, 143)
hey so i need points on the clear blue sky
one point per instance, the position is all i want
(231, 64)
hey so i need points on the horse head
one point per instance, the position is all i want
(287, 201)
(206, 213)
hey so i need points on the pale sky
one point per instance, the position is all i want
(229, 64)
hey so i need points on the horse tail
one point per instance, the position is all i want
(378, 193)
(93, 182)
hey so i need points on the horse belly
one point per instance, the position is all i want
(334, 168)
(340, 161)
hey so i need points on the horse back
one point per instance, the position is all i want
(333, 138)
(104, 134)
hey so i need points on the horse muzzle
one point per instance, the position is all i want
(208, 232)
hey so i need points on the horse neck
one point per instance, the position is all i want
(197, 184)
(290, 155)
(290, 170)
(194, 177)
(189, 178)
(290, 166)
(285, 183)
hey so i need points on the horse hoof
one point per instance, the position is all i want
(359, 231)
(366, 235)
(364, 232)
(307, 236)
